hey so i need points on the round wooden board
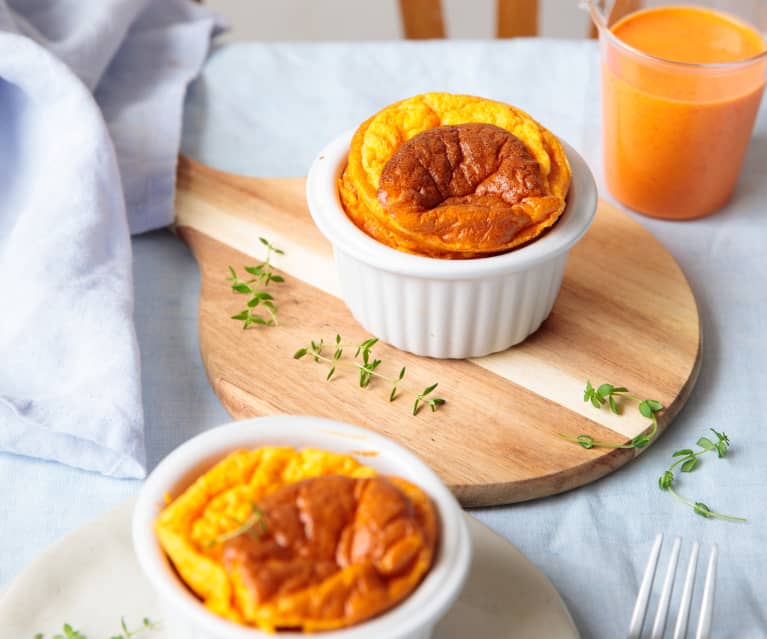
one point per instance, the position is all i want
(625, 314)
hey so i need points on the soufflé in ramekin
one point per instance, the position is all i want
(451, 218)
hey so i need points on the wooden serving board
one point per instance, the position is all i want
(625, 315)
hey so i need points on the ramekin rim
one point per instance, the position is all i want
(439, 589)
(329, 216)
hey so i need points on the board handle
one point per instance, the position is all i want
(237, 209)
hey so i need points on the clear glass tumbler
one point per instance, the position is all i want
(675, 133)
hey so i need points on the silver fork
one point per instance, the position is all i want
(643, 597)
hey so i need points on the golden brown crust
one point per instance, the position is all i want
(316, 530)
(454, 176)
(461, 183)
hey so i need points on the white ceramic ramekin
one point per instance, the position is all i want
(186, 618)
(446, 308)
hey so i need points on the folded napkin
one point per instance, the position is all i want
(91, 93)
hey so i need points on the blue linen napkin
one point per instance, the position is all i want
(91, 96)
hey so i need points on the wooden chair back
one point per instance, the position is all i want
(422, 19)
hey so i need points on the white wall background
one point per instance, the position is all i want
(378, 19)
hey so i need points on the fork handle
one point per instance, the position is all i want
(640, 607)
(707, 602)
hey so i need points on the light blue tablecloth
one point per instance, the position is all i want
(266, 110)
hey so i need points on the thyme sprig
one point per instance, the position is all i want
(367, 364)
(255, 525)
(614, 397)
(263, 275)
(69, 632)
(688, 461)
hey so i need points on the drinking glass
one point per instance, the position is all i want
(675, 133)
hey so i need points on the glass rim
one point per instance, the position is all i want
(599, 20)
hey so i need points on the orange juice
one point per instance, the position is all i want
(679, 100)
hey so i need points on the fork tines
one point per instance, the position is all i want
(683, 613)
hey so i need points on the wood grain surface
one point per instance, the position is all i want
(422, 19)
(625, 314)
(516, 18)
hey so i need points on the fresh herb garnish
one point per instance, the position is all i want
(255, 525)
(263, 275)
(614, 397)
(367, 365)
(68, 632)
(688, 461)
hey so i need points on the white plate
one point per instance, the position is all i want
(90, 579)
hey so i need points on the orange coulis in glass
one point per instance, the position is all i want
(676, 135)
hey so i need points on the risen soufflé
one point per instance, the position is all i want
(454, 176)
(307, 540)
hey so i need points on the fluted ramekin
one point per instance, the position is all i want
(184, 617)
(446, 308)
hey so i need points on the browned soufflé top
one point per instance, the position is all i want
(454, 179)
(333, 550)
(454, 176)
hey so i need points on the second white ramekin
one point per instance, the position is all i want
(186, 618)
(446, 308)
